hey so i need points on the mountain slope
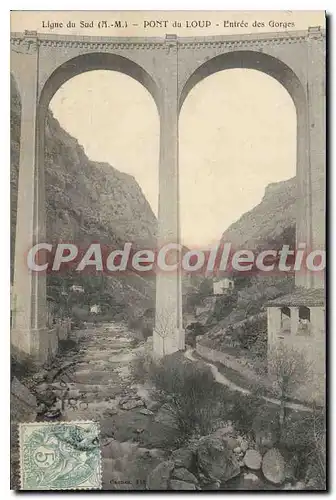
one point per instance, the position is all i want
(272, 220)
(88, 200)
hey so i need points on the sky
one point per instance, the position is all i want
(237, 134)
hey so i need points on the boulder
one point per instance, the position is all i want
(145, 411)
(158, 478)
(23, 404)
(249, 476)
(153, 405)
(183, 458)
(216, 460)
(253, 459)
(20, 412)
(24, 394)
(250, 481)
(131, 404)
(273, 466)
(223, 432)
(177, 485)
(184, 475)
(208, 483)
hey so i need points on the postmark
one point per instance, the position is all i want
(60, 456)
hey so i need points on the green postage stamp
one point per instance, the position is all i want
(60, 456)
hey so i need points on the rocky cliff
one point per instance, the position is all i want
(86, 201)
(273, 220)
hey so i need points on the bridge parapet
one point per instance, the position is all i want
(159, 42)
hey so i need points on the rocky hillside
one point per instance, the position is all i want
(272, 220)
(86, 201)
(239, 319)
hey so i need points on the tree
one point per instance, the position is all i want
(164, 326)
(289, 368)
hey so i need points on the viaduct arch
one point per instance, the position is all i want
(168, 68)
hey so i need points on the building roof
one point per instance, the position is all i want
(310, 297)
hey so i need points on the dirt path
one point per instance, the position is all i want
(99, 387)
(221, 379)
(234, 362)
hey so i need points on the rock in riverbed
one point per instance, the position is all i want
(184, 475)
(273, 466)
(216, 460)
(183, 457)
(253, 459)
(145, 411)
(131, 404)
(158, 478)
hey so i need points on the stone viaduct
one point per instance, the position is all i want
(168, 68)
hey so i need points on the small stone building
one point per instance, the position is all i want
(222, 286)
(95, 309)
(77, 288)
(298, 320)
